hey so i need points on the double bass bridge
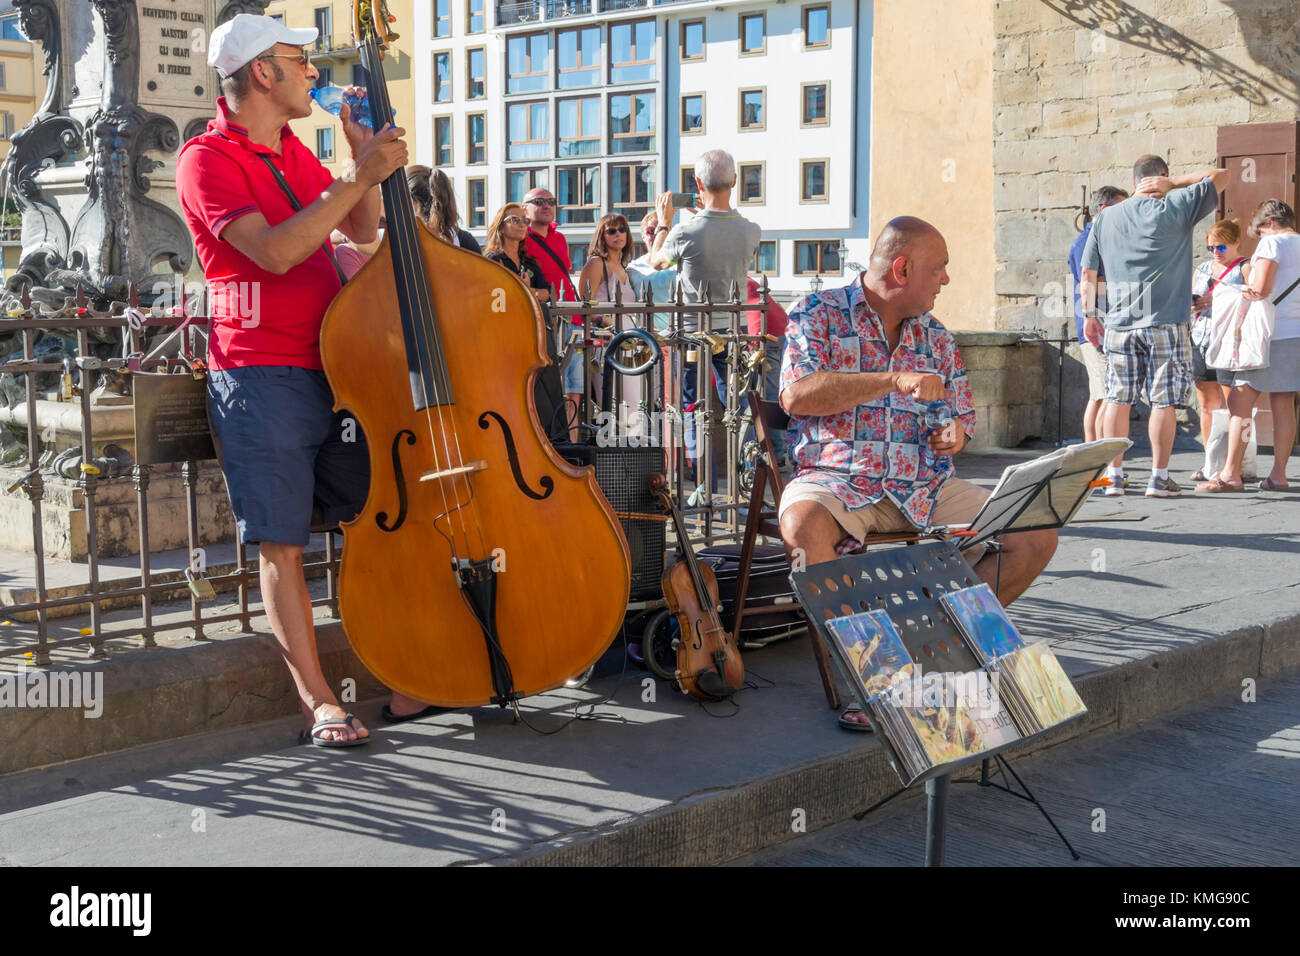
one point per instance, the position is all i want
(480, 465)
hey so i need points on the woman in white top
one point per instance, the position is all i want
(1274, 270)
(1227, 267)
(604, 278)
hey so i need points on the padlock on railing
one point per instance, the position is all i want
(201, 588)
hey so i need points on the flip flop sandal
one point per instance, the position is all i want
(857, 728)
(1268, 484)
(335, 722)
(1217, 486)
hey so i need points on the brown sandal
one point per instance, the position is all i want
(1268, 484)
(1217, 486)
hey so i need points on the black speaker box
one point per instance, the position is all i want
(624, 476)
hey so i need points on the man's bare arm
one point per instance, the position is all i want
(279, 248)
(829, 393)
(362, 224)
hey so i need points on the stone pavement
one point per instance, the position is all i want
(1209, 786)
(1148, 616)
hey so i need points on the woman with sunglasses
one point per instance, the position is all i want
(1274, 275)
(1226, 267)
(505, 245)
(602, 278)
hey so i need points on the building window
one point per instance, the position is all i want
(476, 128)
(529, 131)
(632, 52)
(815, 110)
(579, 252)
(442, 18)
(577, 54)
(632, 123)
(752, 112)
(693, 113)
(474, 22)
(324, 78)
(818, 256)
(359, 75)
(816, 27)
(476, 191)
(577, 193)
(321, 18)
(527, 63)
(687, 179)
(753, 34)
(476, 73)
(632, 190)
(442, 77)
(578, 124)
(692, 40)
(2, 76)
(7, 126)
(812, 180)
(765, 258)
(519, 181)
(442, 155)
(324, 144)
(750, 180)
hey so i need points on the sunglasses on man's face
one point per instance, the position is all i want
(303, 59)
(539, 202)
(1219, 248)
(614, 230)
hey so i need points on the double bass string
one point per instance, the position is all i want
(407, 245)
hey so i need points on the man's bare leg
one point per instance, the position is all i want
(1114, 424)
(1024, 556)
(1091, 419)
(288, 605)
(1161, 430)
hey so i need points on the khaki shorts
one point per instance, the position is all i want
(1095, 363)
(959, 502)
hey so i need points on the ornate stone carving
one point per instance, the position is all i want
(236, 7)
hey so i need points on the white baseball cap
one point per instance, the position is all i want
(240, 40)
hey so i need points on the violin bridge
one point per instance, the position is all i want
(452, 472)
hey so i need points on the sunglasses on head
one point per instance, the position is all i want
(1218, 248)
(614, 230)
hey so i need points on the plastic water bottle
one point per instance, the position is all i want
(332, 98)
(938, 416)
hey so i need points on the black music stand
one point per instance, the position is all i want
(907, 583)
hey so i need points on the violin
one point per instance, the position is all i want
(708, 662)
(483, 568)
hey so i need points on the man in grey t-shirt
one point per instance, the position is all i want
(1144, 246)
(715, 248)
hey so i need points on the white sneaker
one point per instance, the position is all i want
(1115, 489)
(1163, 488)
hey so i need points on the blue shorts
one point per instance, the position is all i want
(283, 448)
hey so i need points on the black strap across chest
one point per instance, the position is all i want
(297, 207)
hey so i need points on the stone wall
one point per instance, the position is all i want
(1082, 88)
(1007, 378)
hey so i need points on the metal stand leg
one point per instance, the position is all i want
(936, 818)
(986, 781)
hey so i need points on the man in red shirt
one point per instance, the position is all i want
(271, 275)
(547, 244)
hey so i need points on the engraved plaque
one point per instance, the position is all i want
(171, 419)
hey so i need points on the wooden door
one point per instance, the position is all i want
(1260, 159)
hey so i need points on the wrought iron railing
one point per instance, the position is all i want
(683, 330)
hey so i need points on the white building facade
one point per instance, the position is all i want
(608, 102)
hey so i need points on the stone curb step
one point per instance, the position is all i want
(715, 826)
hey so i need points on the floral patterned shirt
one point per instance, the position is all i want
(873, 451)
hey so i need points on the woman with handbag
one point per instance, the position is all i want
(1275, 265)
(1226, 267)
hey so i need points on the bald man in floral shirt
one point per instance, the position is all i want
(861, 365)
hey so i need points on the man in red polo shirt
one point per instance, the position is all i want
(271, 275)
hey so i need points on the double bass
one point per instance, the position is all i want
(483, 568)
